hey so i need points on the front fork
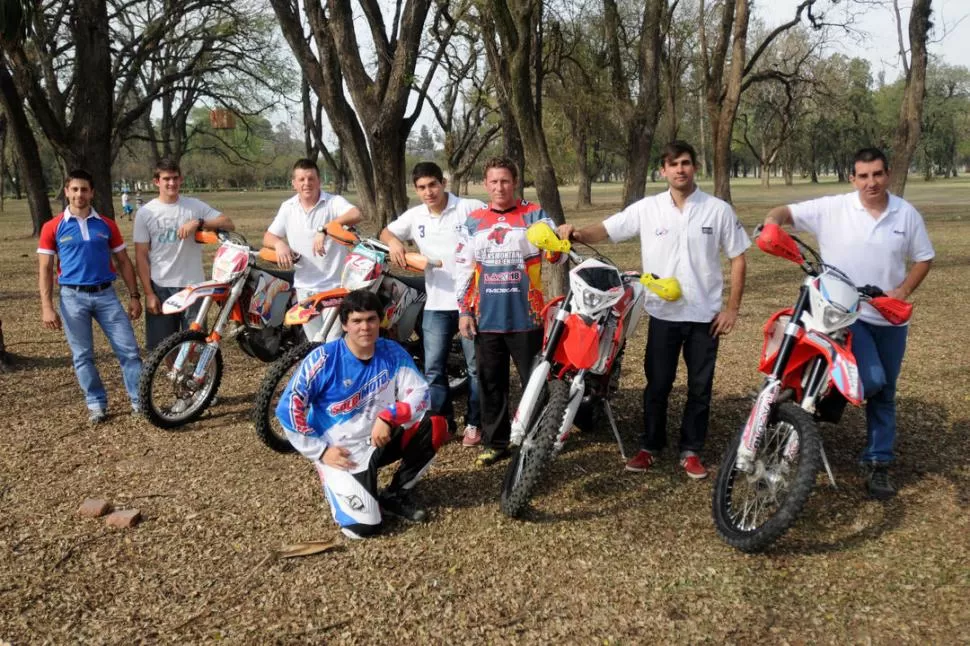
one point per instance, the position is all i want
(212, 341)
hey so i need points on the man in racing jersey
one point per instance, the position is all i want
(500, 298)
(357, 404)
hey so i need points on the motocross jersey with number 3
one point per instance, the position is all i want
(334, 398)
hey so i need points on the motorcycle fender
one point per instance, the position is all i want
(182, 300)
(310, 307)
(843, 370)
(579, 343)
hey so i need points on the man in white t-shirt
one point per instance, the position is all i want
(300, 225)
(167, 255)
(871, 235)
(435, 226)
(682, 233)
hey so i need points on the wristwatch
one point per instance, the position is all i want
(322, 229)
(201, 224)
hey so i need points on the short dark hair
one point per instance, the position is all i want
(167, 165)
(427, 169)
(360, 300)
(79, 173)
(675, 149)
(866, 155)
(501, 162)
(305, 163)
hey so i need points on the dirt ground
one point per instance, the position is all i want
(606, 557)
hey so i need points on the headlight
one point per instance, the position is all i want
(833, 319)
(592, 300)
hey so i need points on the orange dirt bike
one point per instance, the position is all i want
(768, 471)
(585, 334)
(180, 377)
(367, 266)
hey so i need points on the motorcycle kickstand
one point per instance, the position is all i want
(828, 468)
(616, 433)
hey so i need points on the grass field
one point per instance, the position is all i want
(607, 556)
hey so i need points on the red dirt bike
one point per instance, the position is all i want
(585, 334)
(769, 469)
(366, 267)
(180, 377)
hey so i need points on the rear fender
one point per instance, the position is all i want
(311, 307)
(182, 300)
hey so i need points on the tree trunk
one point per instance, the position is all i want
(30, 168)
(724, 108)
(911, 110)
(512, 143)
(584, 194)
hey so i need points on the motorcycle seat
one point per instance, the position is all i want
(282, 274)
(414, 282)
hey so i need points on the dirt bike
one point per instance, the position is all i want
(180, 377)
(366, 267)
(585, 335)
(769, 469)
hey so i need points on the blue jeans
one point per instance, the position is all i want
(78, 309)
(158, 327)
(438, 328)
(878, 351)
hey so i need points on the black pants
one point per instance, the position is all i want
(493, 352)
(664, 342)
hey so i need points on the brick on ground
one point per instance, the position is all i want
(94, 508)
(123, 518)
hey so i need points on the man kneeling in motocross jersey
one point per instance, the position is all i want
(355, 405)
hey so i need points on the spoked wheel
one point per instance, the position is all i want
(170, 396)
(268, 427)
(530, 459)
(752, 510)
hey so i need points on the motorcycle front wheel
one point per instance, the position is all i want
(530, 459)
(268, 428)
(170, 398)
(753, 510)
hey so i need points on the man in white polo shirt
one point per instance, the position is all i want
(435, 226)
(167, 255)
(299, 226)
(682, 234)
(870, 235)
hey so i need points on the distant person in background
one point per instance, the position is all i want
(167, 255)
(86, 248)
(126, 207)
(300, 226)
(138, 201)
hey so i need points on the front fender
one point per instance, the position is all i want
(843, 370)
(182, 300)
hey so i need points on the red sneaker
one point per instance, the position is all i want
(694, 467)
(642, 461)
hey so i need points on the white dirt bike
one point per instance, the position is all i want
(585, 335)
(366, 267)
(180, 377)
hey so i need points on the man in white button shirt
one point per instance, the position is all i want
(435, 226)
(870, 235)
(682, 234)
(300, 225)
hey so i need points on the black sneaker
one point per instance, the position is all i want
(878, 484)
(399, 504)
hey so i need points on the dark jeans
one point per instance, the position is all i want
(158, 327)
(493, 351)
(664, 342)
(878, 351)
(438, 328)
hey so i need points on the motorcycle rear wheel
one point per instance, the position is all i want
(171, 400)
(530, 459)
(752, 511)
(271, 389)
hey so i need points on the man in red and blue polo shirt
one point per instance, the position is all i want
(87, 248)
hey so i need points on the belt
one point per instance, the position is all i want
(90, 288)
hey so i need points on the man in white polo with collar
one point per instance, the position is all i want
(435, 226)
(682, 234)
(300, 226)
(871, 235)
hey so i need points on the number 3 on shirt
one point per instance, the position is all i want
(420, 230)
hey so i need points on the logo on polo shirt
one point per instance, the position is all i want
(65, 238)
(660, 232)
(898, 232)
(708, 230)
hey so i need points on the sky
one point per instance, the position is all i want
(877, 40)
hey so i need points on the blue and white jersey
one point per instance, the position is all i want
(334, 398)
